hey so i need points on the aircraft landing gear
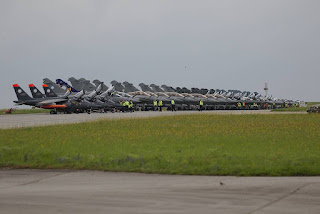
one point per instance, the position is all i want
(53, 112)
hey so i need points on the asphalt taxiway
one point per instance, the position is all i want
(27, 120)
(62, 191)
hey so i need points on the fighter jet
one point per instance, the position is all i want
(78, 102)
(97, 101)
(46, 102)
(107, 101)
(118, 96)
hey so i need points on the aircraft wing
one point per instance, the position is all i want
(53, 101)
(19, 104)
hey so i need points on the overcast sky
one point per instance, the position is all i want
(225, 44)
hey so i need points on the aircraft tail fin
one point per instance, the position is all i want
(63, 83)
(35, 91)
(48, 91)
(54, 87)
(21, 94)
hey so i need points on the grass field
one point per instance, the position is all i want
(195, 144)
(292, 109)
(297, 108)
(312, 103)
(25, 111)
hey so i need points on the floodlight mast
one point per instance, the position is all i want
(266, 89)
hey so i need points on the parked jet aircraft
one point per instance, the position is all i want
(46, 102)
(85, 96)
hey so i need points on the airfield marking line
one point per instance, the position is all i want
(283, 197)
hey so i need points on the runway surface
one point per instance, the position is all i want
(61, 191)
(27, 120)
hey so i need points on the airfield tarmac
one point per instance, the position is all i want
(63, 191)
(27, 120)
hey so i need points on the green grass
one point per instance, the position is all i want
(312, 103)
(195, 144)
(292, 109)
(25, 111)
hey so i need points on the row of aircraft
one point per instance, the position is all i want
(85, 96)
